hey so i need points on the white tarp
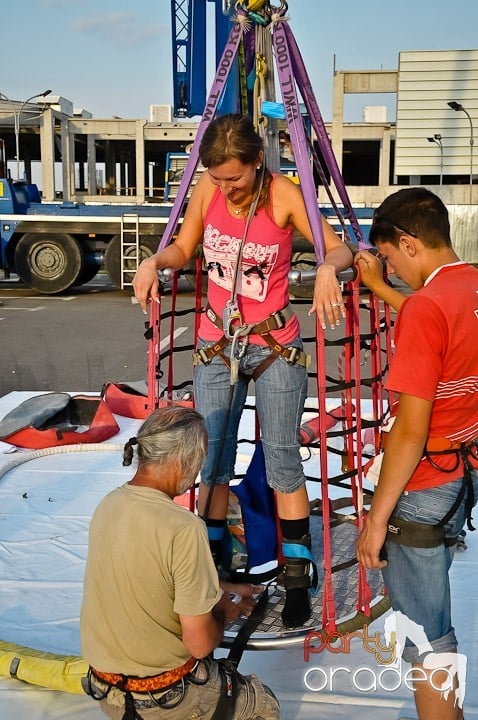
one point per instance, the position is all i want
(45, 506)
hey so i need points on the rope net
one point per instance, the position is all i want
(345, 370)
(346, 373)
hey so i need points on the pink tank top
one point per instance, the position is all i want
(262, 284)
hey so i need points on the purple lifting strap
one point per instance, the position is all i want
(321, 132)
(297, 134)
(222, 73)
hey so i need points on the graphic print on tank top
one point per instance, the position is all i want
(258, 261)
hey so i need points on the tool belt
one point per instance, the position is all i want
(154, 683)
(275, 321)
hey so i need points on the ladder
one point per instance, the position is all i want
(129, 248)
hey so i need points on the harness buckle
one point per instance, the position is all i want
(278, 319)
(231, 316)
(294, 355)
(203, 356)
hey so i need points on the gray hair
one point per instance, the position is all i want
(170, 434)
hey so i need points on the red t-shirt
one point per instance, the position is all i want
(436, 359)
(263, 283)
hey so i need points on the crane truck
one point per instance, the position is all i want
(54, 246)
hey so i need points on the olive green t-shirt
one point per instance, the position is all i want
(148, 562)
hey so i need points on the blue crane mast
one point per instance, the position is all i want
(189, 52)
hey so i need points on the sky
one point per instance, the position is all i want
(114, 57)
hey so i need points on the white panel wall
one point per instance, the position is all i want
(427, 81)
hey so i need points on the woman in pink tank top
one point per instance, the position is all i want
(245, 217)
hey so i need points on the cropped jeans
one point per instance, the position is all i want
(417, 578)
(280, 394)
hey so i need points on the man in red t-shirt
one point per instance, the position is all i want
(429, 473)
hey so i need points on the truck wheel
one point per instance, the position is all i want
(147, 247)
(90, 267)
(48, 263)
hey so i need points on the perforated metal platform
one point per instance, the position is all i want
(271, 632)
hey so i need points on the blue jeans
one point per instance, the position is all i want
(280, 396)
(417, 578)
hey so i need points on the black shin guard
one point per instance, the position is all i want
(220, 544)
(297, 609)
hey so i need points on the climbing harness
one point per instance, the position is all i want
(275, 321)
(166, 690)
(423, 535)
(146, 684)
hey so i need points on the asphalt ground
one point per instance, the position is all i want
(82, 339)
(72, 342)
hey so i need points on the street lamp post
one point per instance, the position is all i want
(437, 140)
(17, 111)
(459, 108)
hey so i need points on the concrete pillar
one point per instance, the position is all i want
(338, 117)
(140, 161)
(68, 161)
(385, 154)
(47, 152)
(91, 155)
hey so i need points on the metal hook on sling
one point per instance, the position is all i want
(256, 10)
(279, 14)
(255, 6)
(241, 333)
(259, 92)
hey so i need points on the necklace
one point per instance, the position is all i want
(235, 210)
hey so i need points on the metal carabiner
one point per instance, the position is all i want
(237, 353)
(231, 319)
